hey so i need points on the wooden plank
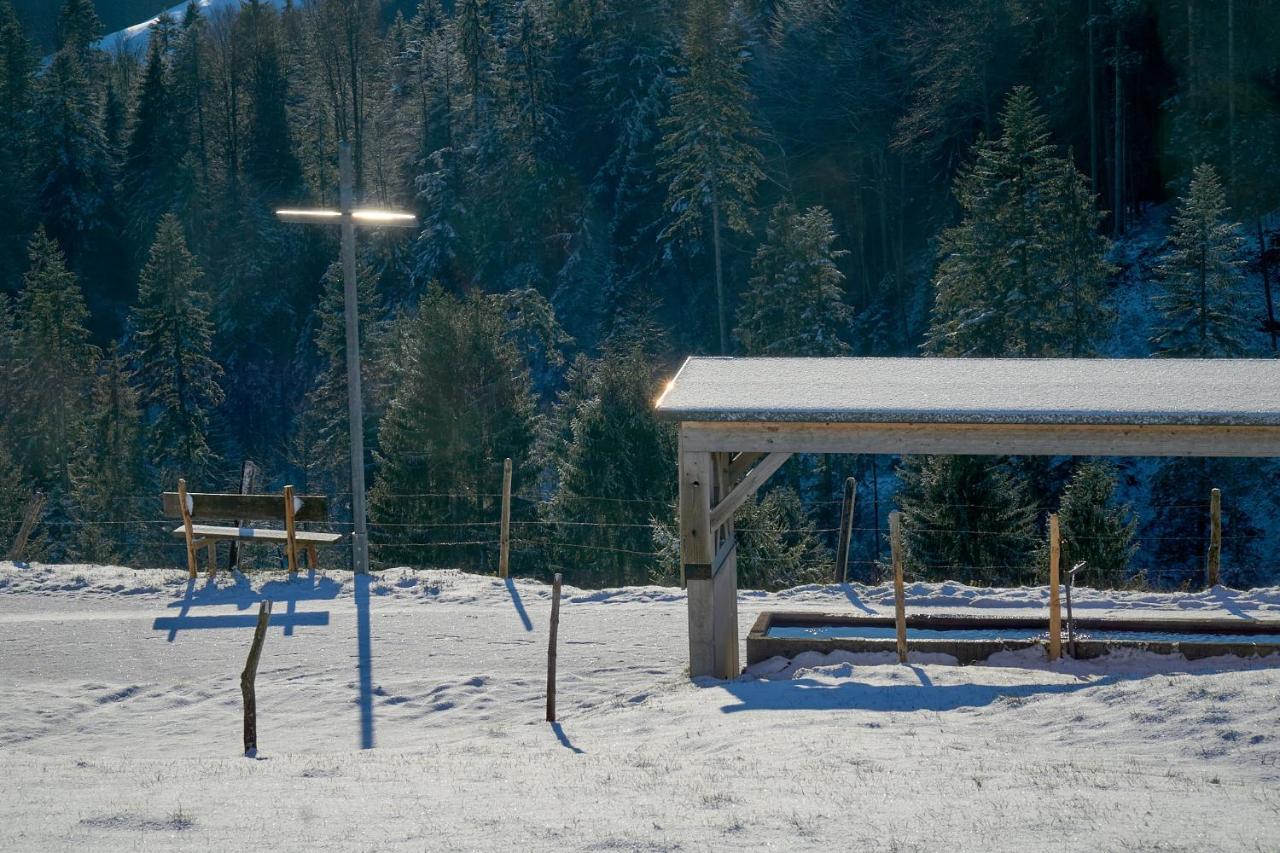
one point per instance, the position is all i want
(551, 648)
(982, 439)
(249, 677)
(291, 535)
(754, 479)
(740, 465)
(1215, 537)
(184, 506)
(1055, 613)
(264, 533)
(504, 538)
(899, 588)
(227, 507)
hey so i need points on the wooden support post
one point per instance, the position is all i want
(504, 543)
(185, 507)
(724, 576)
(696, 553)
(1215, 537)
(211, 555)
(1055, 614)
(551, 649)
(846, 530)
(899, 588)
(291, 543)
(29, 518)
(313, 559)
(249, 677)
(248, 473)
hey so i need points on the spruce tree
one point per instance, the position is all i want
(55, 364)
(16, 188)
(1095, 529)
(326, 414)
(967, 518)
(794, 304)
(1023, 273)
(107, 472)
(176, 378)
(1202, 307)
(778, 544)
(463, 402)
(711, 164)
(613, 439)
(78, 27)
(157, 140)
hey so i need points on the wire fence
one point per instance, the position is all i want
(541, 539)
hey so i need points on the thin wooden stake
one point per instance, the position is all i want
(1215, 536)
(291, 543)
(28, 523)
(504, 549)
(1055, 613)
(846, 530)
(211, 557)
(249, 677)
(186, 524)
(899, 588)
(551, 649)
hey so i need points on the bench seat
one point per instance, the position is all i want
(211, 531)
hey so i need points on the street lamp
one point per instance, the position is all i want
(348, 217)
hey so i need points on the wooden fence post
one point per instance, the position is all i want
(899, 589)
(551, 649)
(846, 530)
(504, 544)
(249, 677)
(1215, 536)
(28, 523)
(1055, 614)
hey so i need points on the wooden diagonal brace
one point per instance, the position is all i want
(752, 481)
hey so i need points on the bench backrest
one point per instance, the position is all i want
(204, 505)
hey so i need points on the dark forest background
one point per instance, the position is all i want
(603, 187)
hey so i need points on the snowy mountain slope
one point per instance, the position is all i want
(119, 727)
(135, 39)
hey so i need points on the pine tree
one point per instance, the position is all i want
(56, 362)
(1202, 274)
(326, 413)
(107, 471)
(16, 189)
(1023, 273)
(464, 402)
(794, 304)
(78, 27)
(966, 518)
(73, 163)
(269, 158)
(778, 544)
(1095, 529)
(15, 493)
(711, 164)
(157, 139)
(612, 437)
(177, 380)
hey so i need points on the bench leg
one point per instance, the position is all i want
(313, 561)
(212, 550)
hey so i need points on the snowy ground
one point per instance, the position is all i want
(119, 726)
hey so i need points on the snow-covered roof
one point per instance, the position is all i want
(1240, 392)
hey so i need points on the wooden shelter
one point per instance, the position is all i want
(742, 418)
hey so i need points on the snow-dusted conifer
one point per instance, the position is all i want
(794, 304)
(1203, 308)
(177, 380)
(1096, 529)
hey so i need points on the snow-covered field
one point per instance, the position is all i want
(120, 725)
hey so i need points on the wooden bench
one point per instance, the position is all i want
(288, 508)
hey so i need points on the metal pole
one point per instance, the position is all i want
(355, 407)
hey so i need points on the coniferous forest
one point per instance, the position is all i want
(603, 187)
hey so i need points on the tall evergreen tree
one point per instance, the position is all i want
(464, 402)
(177, 380)
(1202, 308)
(1095, 529)
(107, 471)
(613, 438)
(78, 27)
(157, 140)
(711, 164)
(1023, 273)
(16, 190)
(56, 362)
(967, 518)
(794, 304)
(15, 492)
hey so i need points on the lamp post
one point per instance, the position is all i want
(347, 216)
